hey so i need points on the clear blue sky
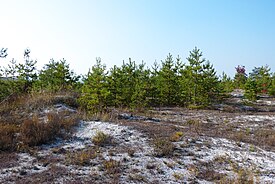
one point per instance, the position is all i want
(229, 32)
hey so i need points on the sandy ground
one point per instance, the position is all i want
(215, 145)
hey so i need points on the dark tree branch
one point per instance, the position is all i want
(3, 53)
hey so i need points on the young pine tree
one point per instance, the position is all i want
(128, 76)
(226, 83)
(271, 89)
(251, 89)
(95, 92)
(153, 91)
(167, 82)
(262, 77)
(200, 79)
(114, 84)
(193, 77)
(139, 98)
(27, 73)
(20, 77)
(211, 82)
(56, 76)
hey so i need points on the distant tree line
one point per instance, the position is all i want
(172, 82)
(21, 78)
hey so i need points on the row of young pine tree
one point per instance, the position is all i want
(173, 82)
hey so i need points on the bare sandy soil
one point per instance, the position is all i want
(233, 142)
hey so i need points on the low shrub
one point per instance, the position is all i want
(35, 132)
(82, 158)
(8, 137)
(195, 125)
(102, 139)
(178, 176)
(163, 147)
(266, 137)
(112, 166)
(195, 107)
(131, 152)
(19, 130)
(137, 178)
(243, 176)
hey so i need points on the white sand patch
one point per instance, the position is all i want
(257, 118)
(26, 165)
(143, 155)
(143, 164)
(266, 102)
(243, 155)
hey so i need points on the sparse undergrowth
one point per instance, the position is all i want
(24, 122)
(181, 140)
(34, 132)
(242, 176)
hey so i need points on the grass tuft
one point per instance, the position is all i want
(176, 136)
(102, 139)
(112, 166)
